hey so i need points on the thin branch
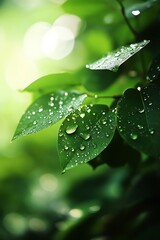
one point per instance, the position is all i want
(126, 19)
(97, 96)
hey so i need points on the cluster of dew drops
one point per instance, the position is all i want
(53, 111)
(146, 98)
(85, 135)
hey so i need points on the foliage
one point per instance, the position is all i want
(113, 120)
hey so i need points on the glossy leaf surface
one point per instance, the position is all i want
(138, 119)
(47, 110)
(84, 134)
(114, 59)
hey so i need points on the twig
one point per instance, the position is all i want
(126, 19)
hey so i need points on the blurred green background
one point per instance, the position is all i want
(39, 37)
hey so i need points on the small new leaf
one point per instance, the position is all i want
(138, 114)
(84, 134)
(114, 59)
(47, 110)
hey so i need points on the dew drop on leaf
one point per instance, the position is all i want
(40, 109)
(35, 122)
(140, 127)
(133, 136)
(85, 136)
(82, 115)
(151, 131)
(82, 147)
(141, 110)
(66, 147)
(71, 129)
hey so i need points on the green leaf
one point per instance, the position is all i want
(84, 134)
(114, 59)
(138, 119)
(80, 7)
(139, 8)
(47, 110)
(154, 70)
(54, 82)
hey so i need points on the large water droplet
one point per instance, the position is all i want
(133, 136)
(82, 115)
(85, 136)
(82, 147)
(71, 129)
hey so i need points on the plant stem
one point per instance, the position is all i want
(126, 19)
(96, 96)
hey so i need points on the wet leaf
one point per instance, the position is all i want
(54, 81)
(154, 70)
(114, 59)
(84, 134)
(138, 119)
(47, 110)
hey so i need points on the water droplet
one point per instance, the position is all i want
(104, 122)
(133, 136)
(87, 127)
(151, 131)
(141, 110)
(51, 98)
(95, 96)
(72, 150)
(82, 147)
(94, 145)
(60, 134)
(33, 113)
(35, 122)
(66, 147)
(136, 12)
(51, 104)
(139, 89)
(29, 117)
(40, 109)
(150, 104)
(85, 136)
(71, 129)
(82, 115)
(140, 127)
(60, 102)
(70, 109)
(65, 93)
